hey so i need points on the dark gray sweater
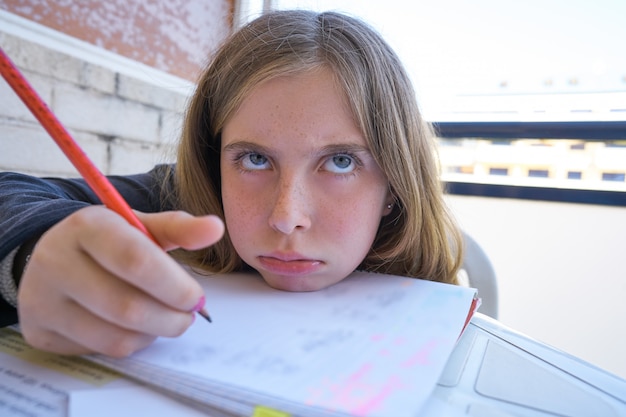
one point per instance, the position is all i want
(29, 206)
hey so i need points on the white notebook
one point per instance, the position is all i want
(371, 345)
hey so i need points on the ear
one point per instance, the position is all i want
(390, 202)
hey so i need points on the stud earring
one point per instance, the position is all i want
(389, 206)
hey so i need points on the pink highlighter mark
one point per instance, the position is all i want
(377, 337)
(355, 395)
(344, 394)
(359, 374)
(422, 356)
(377, 401)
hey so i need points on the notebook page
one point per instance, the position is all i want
(371, 345)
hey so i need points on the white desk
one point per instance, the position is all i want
(495, 371)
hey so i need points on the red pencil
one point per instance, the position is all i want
(100, 185)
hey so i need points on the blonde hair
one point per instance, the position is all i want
(419, 238)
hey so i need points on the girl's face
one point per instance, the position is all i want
(302, 194)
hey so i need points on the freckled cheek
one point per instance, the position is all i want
(346, 220)
(242, 211)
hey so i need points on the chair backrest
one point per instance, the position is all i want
(481, 276)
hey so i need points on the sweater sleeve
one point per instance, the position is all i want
(29, 206)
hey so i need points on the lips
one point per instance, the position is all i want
(289, 264)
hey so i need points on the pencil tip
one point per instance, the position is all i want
(205, 314)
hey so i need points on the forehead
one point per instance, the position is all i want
(306, 104)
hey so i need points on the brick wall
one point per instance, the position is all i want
(125, 125)
(174, 36)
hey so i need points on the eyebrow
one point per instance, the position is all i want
(345, 147)
(327, 149)
(245, 145)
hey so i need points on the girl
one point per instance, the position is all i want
(303, 135)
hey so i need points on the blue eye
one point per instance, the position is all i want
(340, 164)
(254, 161)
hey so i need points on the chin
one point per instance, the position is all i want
(294, 284)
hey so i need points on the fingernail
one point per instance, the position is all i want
(199, 306)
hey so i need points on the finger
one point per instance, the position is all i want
(178, 229)
(81, 332)
(97, 335)
(119, 302)
(104, 295)
(128, 254)
(61, 326)
(50, 341)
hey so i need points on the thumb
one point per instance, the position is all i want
(179, 229)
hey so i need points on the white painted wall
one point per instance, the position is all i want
(561, 271)
(124, 124)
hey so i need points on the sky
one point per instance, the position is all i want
(499, 47)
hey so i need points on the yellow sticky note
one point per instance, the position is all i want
(261, 411)
(12, 343)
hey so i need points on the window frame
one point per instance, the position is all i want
(586, 130)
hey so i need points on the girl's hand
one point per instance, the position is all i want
(95, 284)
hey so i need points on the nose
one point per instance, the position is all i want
(291, 210)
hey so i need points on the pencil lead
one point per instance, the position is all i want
(205, 314)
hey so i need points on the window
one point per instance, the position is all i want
(498, 171)
(613, 176)
(571, 100)
(574, 175)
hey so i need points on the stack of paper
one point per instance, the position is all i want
(371, 345)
